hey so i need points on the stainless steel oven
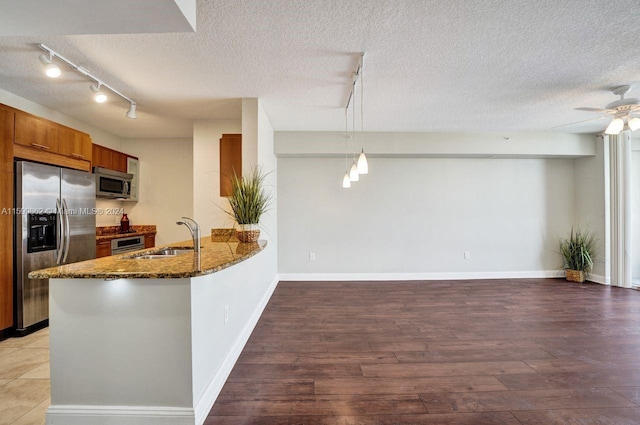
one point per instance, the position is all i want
(122, 245)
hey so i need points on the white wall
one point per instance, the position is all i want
(420, 215)
(590, 203)
(166, 186)
(208, 206)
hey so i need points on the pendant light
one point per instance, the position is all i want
(359, 165)
(353, 174)
(346, 181)
(363, 165)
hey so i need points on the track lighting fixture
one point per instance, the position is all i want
(52, 70)
(99, 95)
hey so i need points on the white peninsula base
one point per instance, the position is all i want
(150, 351)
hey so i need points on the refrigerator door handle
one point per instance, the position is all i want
(60, 236)
(67, 230)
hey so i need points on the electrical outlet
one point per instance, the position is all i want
(312, 256)
(226, 314)
(467, 255)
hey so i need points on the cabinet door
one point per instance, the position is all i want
(103, 249)
(7, 126)
(102, 157)
(36, 132)
(108, 158)
(133, 167)
(74, 143)
(149, 241)
(230, 161)
(119, 161)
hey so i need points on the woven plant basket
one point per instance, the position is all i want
(575, 275)
(248, 232)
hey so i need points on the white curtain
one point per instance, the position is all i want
(620, 208)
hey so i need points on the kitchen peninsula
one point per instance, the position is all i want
(142, 339)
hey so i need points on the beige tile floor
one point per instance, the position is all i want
(24, 379)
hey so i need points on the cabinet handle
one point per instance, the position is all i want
(77, 155)
(36, 145)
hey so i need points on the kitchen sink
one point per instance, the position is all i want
(162, 253)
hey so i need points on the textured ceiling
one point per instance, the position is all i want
(430, 65)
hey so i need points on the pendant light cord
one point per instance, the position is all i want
(362, 103)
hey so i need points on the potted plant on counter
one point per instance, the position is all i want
(248, 202)
(578, 252)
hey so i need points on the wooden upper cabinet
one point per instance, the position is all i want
(36, 132)
(108, 158)
(7, 126)
(74, 143)
(230, 161)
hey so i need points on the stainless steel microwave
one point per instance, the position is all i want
(112, 184)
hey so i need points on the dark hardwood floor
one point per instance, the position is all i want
(499, 352)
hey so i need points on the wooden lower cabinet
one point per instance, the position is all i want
(149, 241)
(103, 248)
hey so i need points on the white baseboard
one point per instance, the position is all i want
(597, 278)
(418, 276)
(212, 391)
(119, 415)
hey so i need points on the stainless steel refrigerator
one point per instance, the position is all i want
(54, 224)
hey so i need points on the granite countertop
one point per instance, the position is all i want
(107, 233)
(215, 256)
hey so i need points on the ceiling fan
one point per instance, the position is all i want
(621, 110)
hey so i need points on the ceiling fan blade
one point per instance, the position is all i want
(579, 122)
(606, 111)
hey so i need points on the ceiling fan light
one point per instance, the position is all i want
(353, 174)
(346, 181)
(634, 123)
(363, 165)
(615, 126)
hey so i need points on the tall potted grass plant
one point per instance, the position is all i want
(249, 201)
(578, 252)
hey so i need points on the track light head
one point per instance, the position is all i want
(99, 96)
(51, 70)
(131, 113)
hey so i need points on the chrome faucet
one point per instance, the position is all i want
(194, 228)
